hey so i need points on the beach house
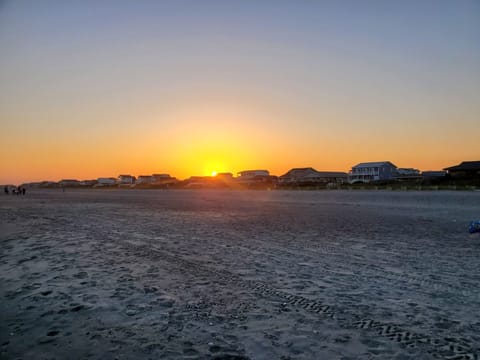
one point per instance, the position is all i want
(126, 179)
(372, 171)
(88, 182)
(464, 169)
(408, 174)
(69, 183)
(251, 174)
(106, 181)
(144, 179)
(308, 175)
(433, 174)
(197, 182)
(247, 177)
(224, 176)
(256, 179)
(163, 179)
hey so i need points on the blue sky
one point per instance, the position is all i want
(345, 78)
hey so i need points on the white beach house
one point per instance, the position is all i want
(144, 179)
(106, 181)
(126, 179)
(372, 171)
(250, 174)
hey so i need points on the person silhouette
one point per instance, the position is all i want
(5, 190)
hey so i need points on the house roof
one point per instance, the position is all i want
(307, 173)
(199, 178)
(299, 172)
(373, 164)
(465, 165)
(245, 171)
(248, 173)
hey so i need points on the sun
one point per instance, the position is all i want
(212, 167)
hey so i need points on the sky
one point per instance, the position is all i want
(97, 88)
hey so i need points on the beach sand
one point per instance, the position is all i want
(129, 274)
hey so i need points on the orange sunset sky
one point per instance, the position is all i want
(91, 89)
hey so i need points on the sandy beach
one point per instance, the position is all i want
(131, 274)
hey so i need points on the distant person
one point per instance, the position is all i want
(5, 190)
(24, 191)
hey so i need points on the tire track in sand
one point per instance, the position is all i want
(445, 348)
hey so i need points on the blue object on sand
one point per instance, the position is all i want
(474, 227)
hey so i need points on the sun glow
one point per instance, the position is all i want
(214, 173)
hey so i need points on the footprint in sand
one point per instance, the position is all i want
(150, 348)
(81, 275)
(77, 308)
(190, 351)
(50, 337)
